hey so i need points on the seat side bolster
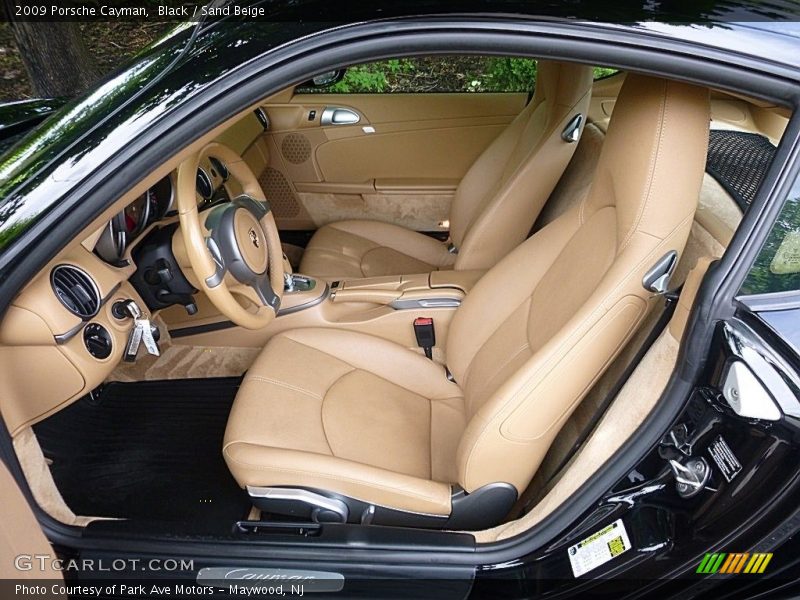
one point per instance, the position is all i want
(527, 411)
(264, 466)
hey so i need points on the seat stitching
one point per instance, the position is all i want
(322, 404)
(284, 385)
(426, 264)
(651, 167)
(355, 368)
(440, 249)
(352, 369)
(328, 253)
(329, 476)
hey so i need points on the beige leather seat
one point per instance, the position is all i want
(366, 422)
(495, 204)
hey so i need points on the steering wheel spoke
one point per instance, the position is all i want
(263, 288)
(219, 263)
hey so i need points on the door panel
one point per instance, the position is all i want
(400, 163)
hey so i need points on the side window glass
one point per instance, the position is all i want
(434, 74)
(603, 72)
(777, 268)
(439, 74)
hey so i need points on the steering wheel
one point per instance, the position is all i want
(233, 248)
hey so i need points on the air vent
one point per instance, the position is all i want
(76, 291)
(204, 186)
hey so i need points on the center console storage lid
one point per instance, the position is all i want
(444, 288)
(462, 280)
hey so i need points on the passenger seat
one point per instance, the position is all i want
(495, 204)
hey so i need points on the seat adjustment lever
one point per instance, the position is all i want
(657, 279)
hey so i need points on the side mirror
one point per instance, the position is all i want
(325, 79)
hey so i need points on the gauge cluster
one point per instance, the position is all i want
(155, 204)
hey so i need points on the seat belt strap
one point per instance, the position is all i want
(671, 301)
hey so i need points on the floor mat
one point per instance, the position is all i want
(148, 450)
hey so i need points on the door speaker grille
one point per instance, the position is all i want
(296, 148)
(279, 193)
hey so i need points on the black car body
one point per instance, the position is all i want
(61, 175)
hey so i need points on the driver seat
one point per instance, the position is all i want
(336, 425)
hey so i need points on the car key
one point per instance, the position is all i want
(132, 309)
(134, 339)
(142, 332)
(150, 343)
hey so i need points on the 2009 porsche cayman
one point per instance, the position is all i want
(500, 342)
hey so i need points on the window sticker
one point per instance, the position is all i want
(787, 258)
(599, 548)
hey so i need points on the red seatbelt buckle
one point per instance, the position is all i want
(425, 334)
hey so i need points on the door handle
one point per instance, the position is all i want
(334, 115)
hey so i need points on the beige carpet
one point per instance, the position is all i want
(187, 362)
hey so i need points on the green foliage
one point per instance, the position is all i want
(441, 74)
(508, 75)
(601, 72)
(360, 79)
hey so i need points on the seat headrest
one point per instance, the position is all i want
(653, 156)
(561, 82)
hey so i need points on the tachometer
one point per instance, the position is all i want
(136, 215)
(151, 206)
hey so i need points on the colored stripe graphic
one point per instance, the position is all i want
(767, 558)
(734, 563)
(710, 563)
(726, 566)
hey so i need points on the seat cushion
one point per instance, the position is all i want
(355, 249)
(350, 413)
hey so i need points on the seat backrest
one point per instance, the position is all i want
(501, 195)
(540, 328)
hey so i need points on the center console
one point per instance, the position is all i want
(385, 307)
